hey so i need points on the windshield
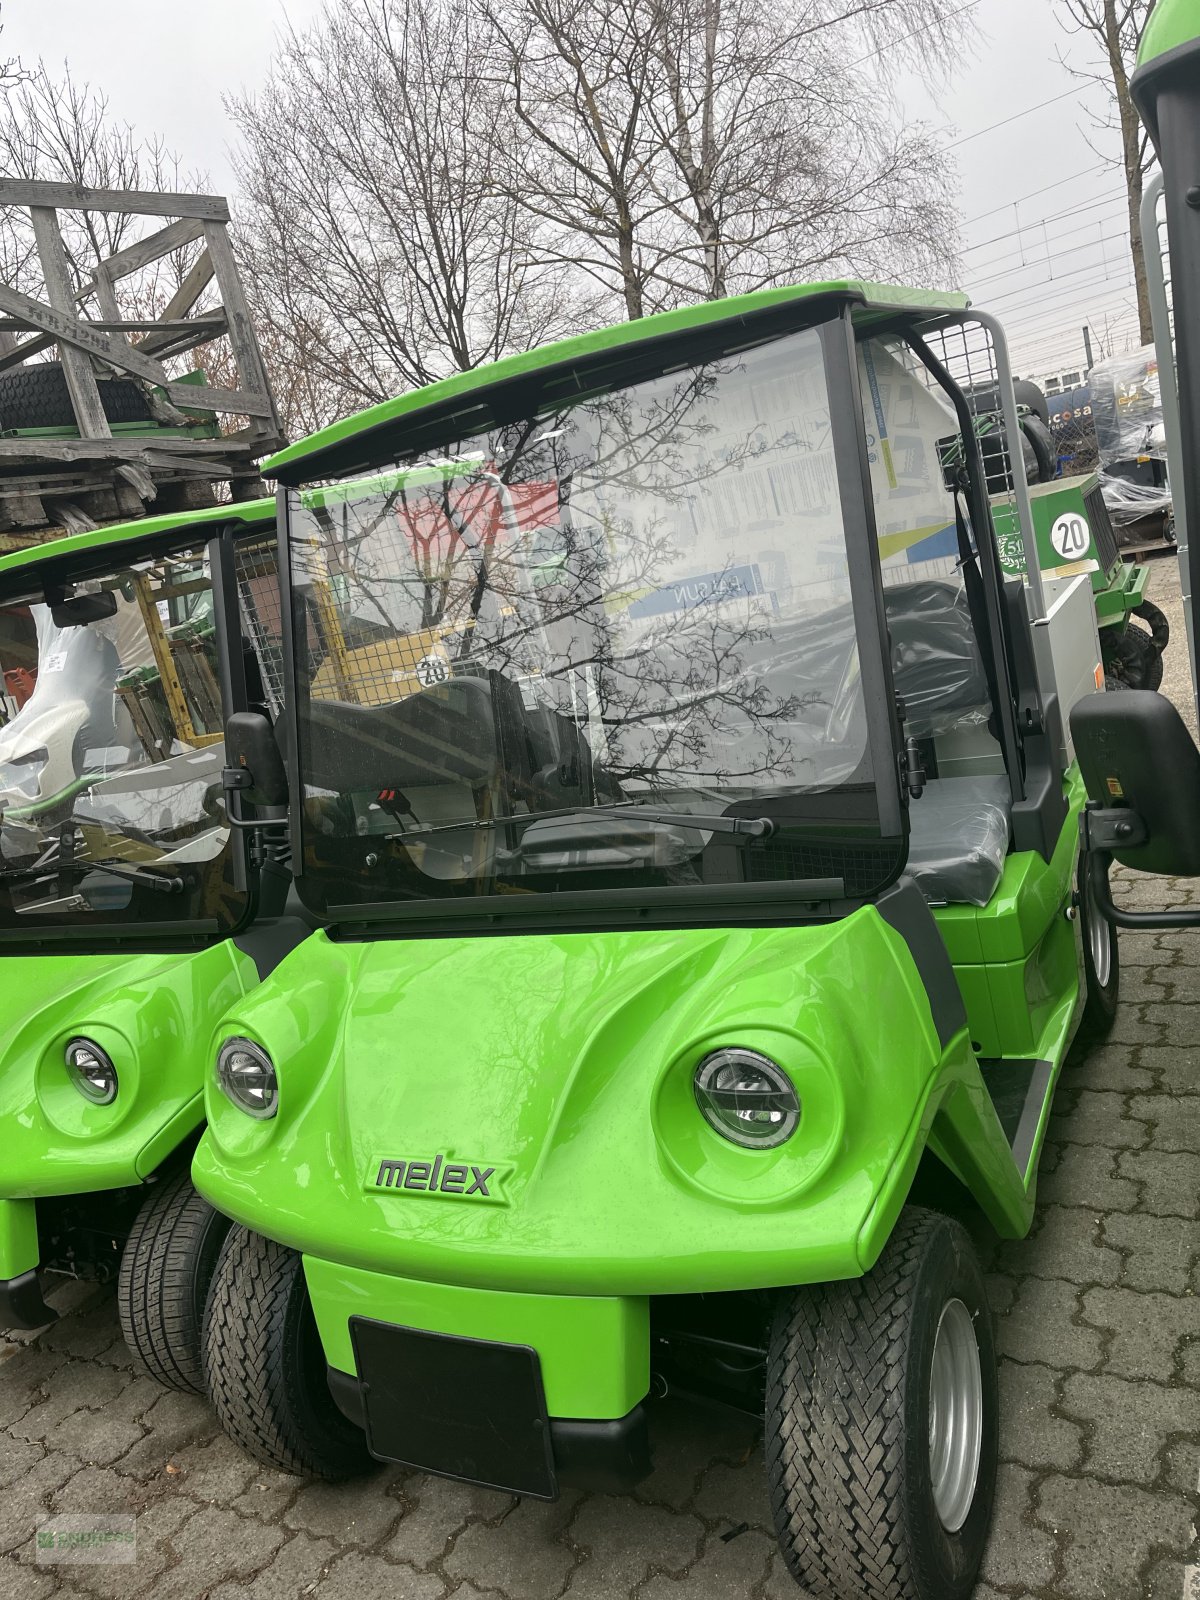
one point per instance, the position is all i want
(637, 598)
(111, 805)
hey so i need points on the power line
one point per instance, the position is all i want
(1013, 233)
(1043, 286)
(1033, 193)
(1016, 117)
(1041, 262)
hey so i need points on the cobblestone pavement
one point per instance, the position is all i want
(1099, 1328)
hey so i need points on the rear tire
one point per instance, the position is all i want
(1132, 660)
(871, 1499)
(266, 1368)
(166, 1268)
(1101, 963)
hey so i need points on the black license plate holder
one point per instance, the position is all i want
(463, 1408)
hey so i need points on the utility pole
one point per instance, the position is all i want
(1087, 346)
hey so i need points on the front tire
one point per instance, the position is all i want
(881, 1422)
(166, 1268)
(266, 1368)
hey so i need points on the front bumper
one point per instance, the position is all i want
(609, 1456)
(592, 1354)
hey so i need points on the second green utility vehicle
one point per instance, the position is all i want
(131, 913)
(686, 797)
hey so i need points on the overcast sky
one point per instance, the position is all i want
(165, 67)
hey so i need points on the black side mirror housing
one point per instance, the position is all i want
(251, 749)
(1137, 756)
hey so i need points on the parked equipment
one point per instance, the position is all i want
(660, 701)
(131, 914)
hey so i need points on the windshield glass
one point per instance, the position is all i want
(639, 597)
(111, 805)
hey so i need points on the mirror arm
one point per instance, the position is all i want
(1098, 863)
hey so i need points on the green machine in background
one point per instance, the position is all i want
(131, 914)
(685, 797)
(1074, 534)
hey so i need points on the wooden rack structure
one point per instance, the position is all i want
(76, 478)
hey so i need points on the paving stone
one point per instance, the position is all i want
(627, 1542)
(1098, 1117)
(1116, 1067)
(1085, 1175)
(1030, 1434)
(359, 1575)
(1018, 1553)
(1108, 1535)
(1143, 950)
(685, 1439)
(78, 1387)
(1169, 1181)
(1170, 1579)
(1176, 1069)
(1129, 1423)
(356, 1513)
(211, 1468)
(17, 1457)
(724, 1571)
(22, 1580)
(1161, 1251)
(1183, 1459)
(1189, 1365)
(1174, 1119)
(730, 1495)
(1147, 1330)
(434, 1511)
(1040, 1327)
(27, 1373)
(174, 1422)
(160, 1532)
(215, 1545)
(295, 1572)
(1139, 1025)
(526, 1553)
(25, 1503)
(1065, 1245)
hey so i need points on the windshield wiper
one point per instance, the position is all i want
(54, 869)
(745, 827)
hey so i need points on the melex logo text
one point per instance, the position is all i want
(443, 1176)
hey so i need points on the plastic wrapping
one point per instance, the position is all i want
(1126, 401)
(936, 664)
(959, 839)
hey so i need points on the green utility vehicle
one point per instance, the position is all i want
(689, 809)
(128, 905)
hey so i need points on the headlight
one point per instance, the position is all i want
(247, 1075)
(747, 1098)
(90, 1070)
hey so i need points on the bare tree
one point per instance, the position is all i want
(1115, 29)
(59, 130)
(378, 247)
(684, 149)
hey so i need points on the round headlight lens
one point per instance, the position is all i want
(247, 1075)
(91, 1071)
(747, 1098)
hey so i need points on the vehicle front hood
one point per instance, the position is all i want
(151, 1013)
(561, 1066)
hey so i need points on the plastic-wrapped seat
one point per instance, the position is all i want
(959, 839)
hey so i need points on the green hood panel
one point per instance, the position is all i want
(565, 1063)
(153, 1015)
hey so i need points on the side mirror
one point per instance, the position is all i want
(82, 609)
(254, 765)
(1137, 756)
(1142, 773)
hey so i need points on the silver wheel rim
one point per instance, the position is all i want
(955, 1416)
(1099, 936)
